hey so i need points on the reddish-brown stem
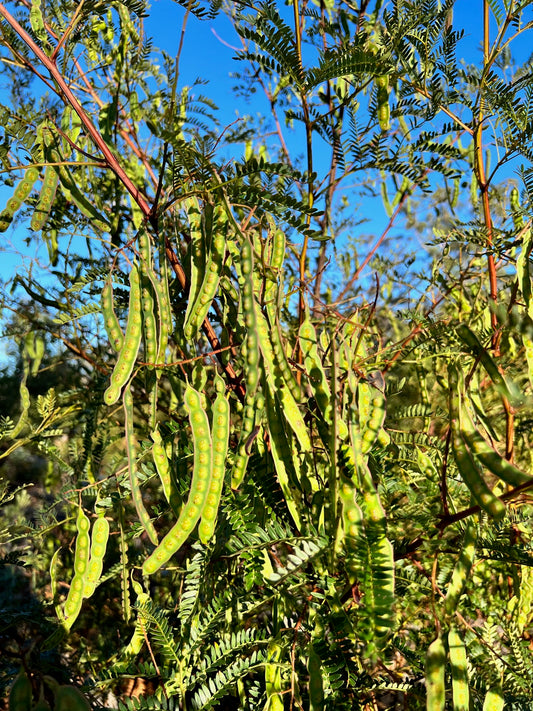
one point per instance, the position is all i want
(91, 129)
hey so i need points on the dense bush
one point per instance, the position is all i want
(270, 445)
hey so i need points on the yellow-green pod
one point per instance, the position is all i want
(220, 437)
(273, 680)
(111, 323)
(99, 538)
(46, 198)
(435, 677)
(494, 700)
(202, 469)
(458, 664)
(462, 569)
(132, 341)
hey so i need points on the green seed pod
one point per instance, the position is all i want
(220, 438)
(382, 84)
(111, 323)
(494, 700)
(435, 683)
(12, 205)
(46, 198)
(251, 316)
(73, 603)
(99, 538)
(487, 455)
(162, 464)
(273, 679)
(149, 324)
(462, 569)
(283, 456)
(132, 340)
(371, 412)
(474, 480)
(37, 22)
(213, 271)
(197, 259)
(202, 472)
(20, 694)
(458, 664)
(455, 194)
(316, 686)
(131, 445)
(289, 407)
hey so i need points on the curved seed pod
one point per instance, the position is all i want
(474, 480)
(352, 526)
(462, 569)
(99, 538)
(278, 347)
(458, 664)
(24, 406)
(20, 694)
(147, 299)
(162, 464)
(46, 198)
(72, 606)
(132, 340)
(131, 445)
(68, 698)
(165, 309)
(487, 455)
(282, 456)
(251, 316)
(220, 438)
(111, 323)
(371, 411)
(288, 404)
(435, 684)
(213, 272)
(202, 469)
(272, 291)
(470, 339)
(134, 646)
(151, 343)
(198, 258)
